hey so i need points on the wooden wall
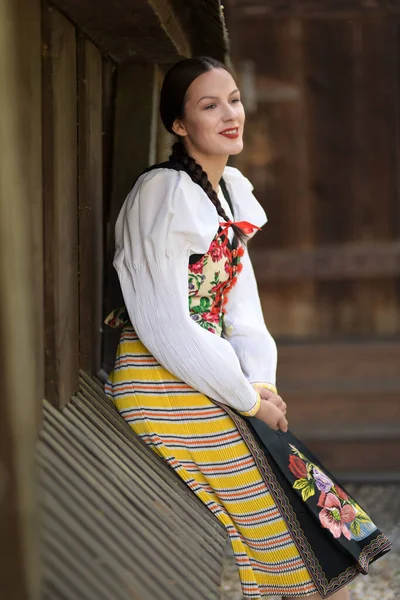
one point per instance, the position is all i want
(134, 147)
(322, 150)
(21, 311)
(73, 122)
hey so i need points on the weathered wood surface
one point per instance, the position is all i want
(90, 216)
(337, 262)
(131, 31)
(164, 139)
(323, 160)
(21, 314)
(30, 118)
(322, 150)
(204, 20)
(343, 400)
(315, 8)
(60, 207)
(134, 148)
(145, 534)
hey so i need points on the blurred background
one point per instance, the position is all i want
(86, 511)
(320, 82)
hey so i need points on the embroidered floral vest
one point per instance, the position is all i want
(210, 278)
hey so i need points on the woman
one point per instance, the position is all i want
(196, 363)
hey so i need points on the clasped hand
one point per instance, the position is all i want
(272, 409)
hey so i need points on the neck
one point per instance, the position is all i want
(213, 165)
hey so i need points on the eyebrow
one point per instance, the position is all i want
(216, 97)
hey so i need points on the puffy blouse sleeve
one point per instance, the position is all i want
(165, 219)
(246, 331)
(244, 324)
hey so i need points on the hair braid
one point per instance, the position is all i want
(199, 176)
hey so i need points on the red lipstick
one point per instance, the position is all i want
(231, 133)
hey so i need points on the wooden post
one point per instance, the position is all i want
(20, 356)
(90, 205)
(133, 150)
(60, 205)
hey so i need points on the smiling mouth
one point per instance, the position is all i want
(231, 133)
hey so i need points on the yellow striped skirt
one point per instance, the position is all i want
(200, 441)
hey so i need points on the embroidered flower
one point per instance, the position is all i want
(229, 268)
(211, 317)
(209, 282)
(341, 493)
(197, 267)
(334, 516)
(322, 481)
(297, 467)
(216, 250)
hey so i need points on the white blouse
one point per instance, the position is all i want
(166, 218)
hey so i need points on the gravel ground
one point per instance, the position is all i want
(382, 502)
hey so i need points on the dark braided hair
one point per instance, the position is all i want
(172, 100)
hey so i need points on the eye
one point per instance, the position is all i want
(235, 100)
(210, 106)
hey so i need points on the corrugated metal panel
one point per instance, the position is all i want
(117, 523)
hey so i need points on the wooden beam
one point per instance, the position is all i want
(134, 148)
(341, 262)
(128, 31)
(315, 8)
(205, 23)
(20, 356)
(90, 90)
(60, 202)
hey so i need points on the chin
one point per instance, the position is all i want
(235, 148)
(229, 147)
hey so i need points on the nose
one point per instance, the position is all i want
(229, 112)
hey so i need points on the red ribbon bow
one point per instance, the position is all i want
(245, 226)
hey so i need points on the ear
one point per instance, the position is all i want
(179, 128)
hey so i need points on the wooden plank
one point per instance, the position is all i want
(60, 202)
(372, 207)
(164, 139)
(20, 356)
(87, 467)
(31, 123)
(343, 397)
(90, 131)
(329, 72)
(309, 365)
(316, 8)
(131, 31)
(133, 148)
(205, 25)
(341, 405)
(276, 161)
(394, 67)
(360, 260)
(108, 94)
(366, 456)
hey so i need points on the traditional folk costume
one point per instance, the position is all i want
(193, 342)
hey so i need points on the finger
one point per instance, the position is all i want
(263, 393)
(283, 424)
(282, 406)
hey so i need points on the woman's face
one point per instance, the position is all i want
(213, 118)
